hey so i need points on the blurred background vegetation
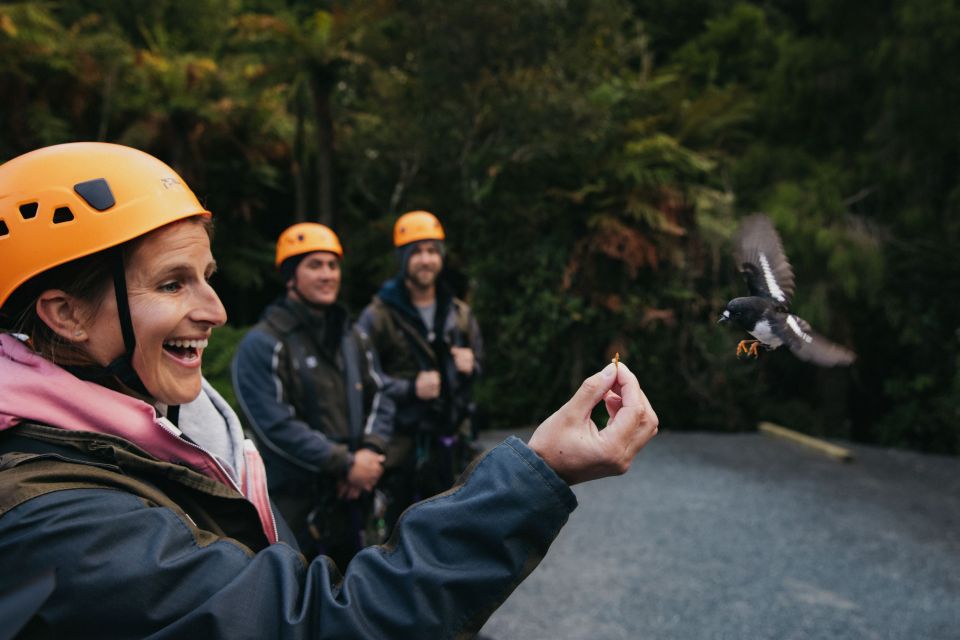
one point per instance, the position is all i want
(589, 160)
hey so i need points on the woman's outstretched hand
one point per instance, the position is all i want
(569, 441)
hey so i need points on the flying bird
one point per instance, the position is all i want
(764, 313)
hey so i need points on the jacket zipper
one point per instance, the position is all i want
(175, 432)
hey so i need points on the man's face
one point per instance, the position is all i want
(424, 264)
(317, 278)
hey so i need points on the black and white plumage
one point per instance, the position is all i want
(764, 313)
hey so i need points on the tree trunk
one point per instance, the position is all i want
(108, 84)
(577, 364)
(297, 162)
(322, 89)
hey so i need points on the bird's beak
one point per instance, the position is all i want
(724, 317)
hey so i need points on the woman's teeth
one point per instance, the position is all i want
(186, 344)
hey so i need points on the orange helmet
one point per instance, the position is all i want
(307, 237)
(72, 200)
(415, 226)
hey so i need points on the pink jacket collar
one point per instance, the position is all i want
(34, 389)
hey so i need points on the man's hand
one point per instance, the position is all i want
(462, 359)
(363, 475)
(428, 385)
(569, 441)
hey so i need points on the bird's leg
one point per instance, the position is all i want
(748, 350)
(754, 349)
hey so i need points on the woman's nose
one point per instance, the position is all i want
(210, 309)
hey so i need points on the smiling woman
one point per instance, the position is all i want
(79, 231)
(172, 307)
(72, 315)
(146, 531)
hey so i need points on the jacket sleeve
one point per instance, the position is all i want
(476, 343)
(378, 428)
(139, 570)
(399, 389)
(263, 398)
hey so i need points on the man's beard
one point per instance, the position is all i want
(423, 278)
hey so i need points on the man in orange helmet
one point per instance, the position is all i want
(430, 346)
(309, 386)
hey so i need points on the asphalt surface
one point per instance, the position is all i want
(747, 536)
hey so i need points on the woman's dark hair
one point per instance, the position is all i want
(88, 279)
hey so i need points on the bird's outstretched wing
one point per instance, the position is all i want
(761, 260)
(808, 345)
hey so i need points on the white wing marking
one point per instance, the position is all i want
(772, 285)
(793, 324)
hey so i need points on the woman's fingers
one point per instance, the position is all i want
(578, 456)
(613, 403)
(635, 423)
(592, 390)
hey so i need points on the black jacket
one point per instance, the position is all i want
(310, 388)
(405, 348)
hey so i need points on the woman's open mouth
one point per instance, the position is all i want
(186, 352)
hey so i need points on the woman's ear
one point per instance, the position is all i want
(63, 314)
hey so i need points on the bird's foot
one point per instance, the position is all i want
(749, 348)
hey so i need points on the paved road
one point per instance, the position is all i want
(751, 537)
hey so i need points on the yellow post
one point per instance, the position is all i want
(821, 446)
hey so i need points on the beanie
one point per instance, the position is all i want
(289, 266)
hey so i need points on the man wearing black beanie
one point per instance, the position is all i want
(430, 346)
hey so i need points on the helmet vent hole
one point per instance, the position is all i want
(62, 214)
(29, 210)
(4, 231)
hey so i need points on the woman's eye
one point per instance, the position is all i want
(170, 287)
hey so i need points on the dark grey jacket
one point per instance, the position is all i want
(142, 547)
(141, 534)
(310, 388)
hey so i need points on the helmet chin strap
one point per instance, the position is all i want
(122, 367)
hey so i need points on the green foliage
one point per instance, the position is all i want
(736, 48)
(217, 358)
(589, 160)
